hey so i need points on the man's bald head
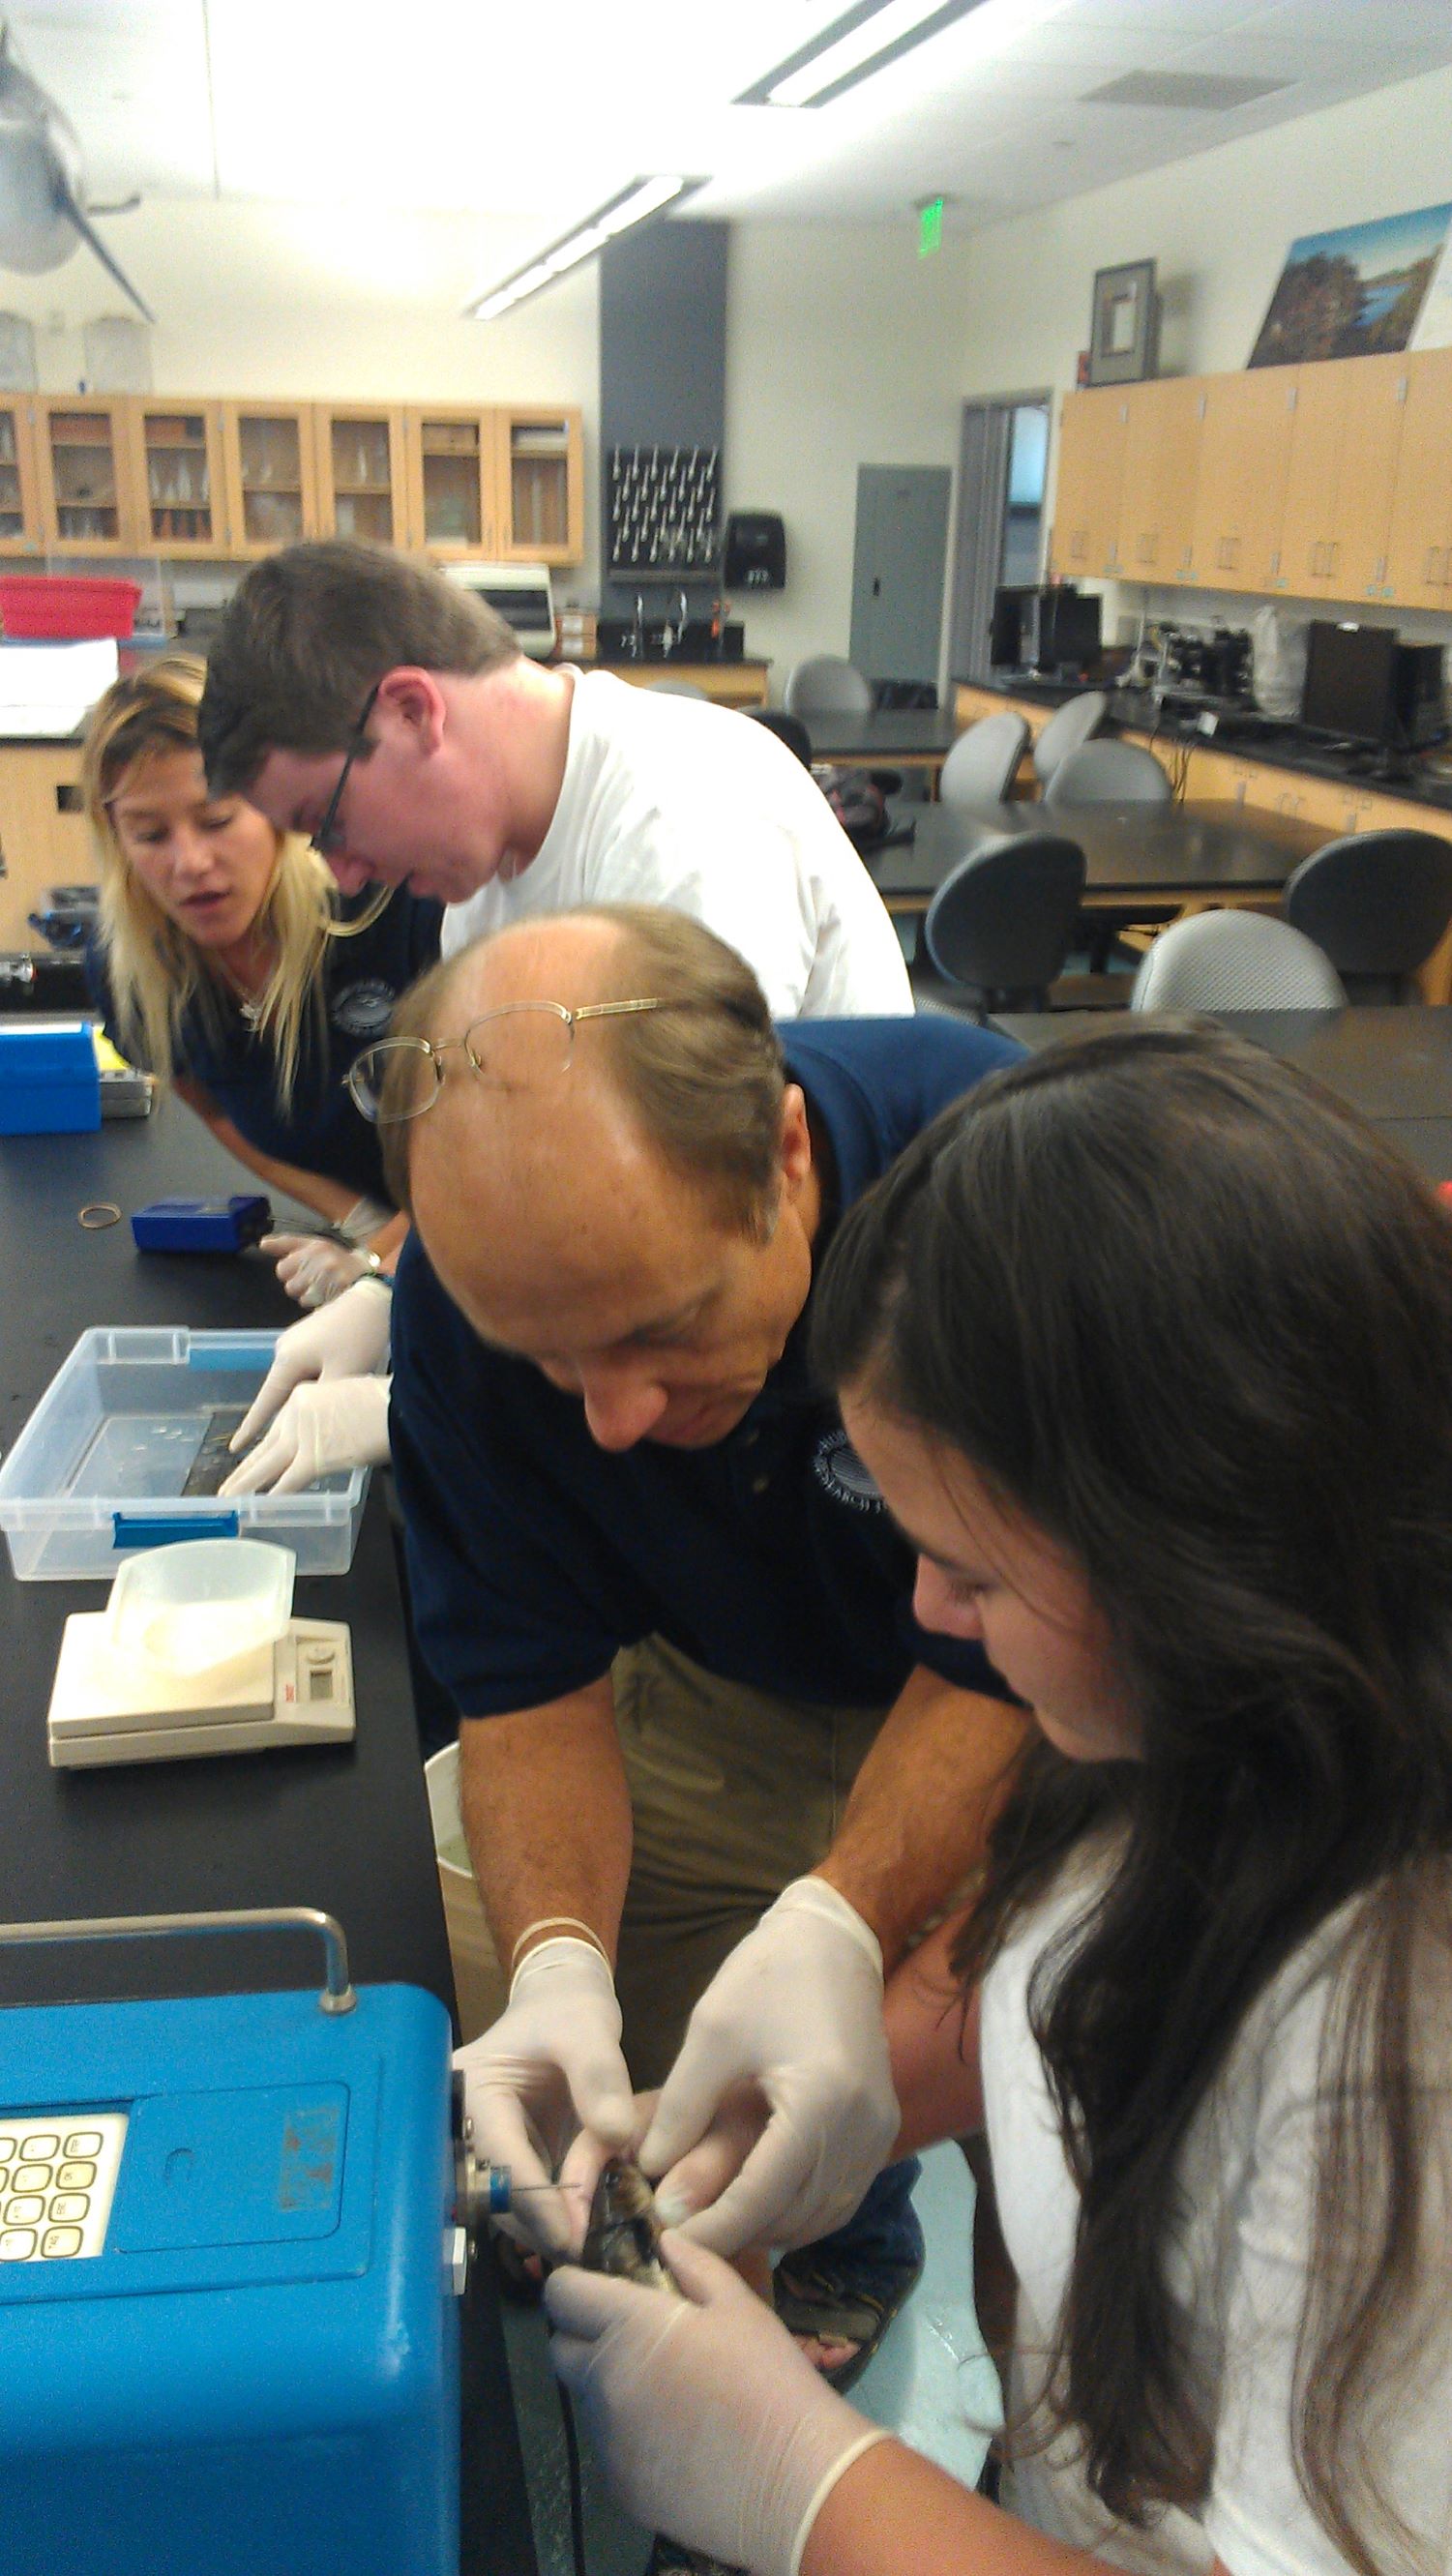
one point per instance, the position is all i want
(695, 1083)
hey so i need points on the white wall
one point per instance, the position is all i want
(845, 349)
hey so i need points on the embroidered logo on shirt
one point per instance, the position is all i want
(363, 1010)
(840, 1472)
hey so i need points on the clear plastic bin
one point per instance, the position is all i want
(100, 1466)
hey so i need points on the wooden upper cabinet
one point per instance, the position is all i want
(271, 475)
(180, 480)
(1158, 478)
(20, 524)
(540, 485)
(452, 481)
(1092, 429)
(88, 503)
(1309, 562)
(1245, 446)
(1419, 539)
(1367, 475)
(362, 473)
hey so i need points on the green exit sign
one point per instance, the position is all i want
(930, 227)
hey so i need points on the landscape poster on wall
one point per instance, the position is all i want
(1353, 293)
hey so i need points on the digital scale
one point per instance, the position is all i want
(107, 1707)
(196, 1653)
(234, 2232)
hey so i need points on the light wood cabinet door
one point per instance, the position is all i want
(21, 531)
(1419, 540)
(453, 477)
(83, 454)
(1088, 481)
(362, 474)
(1309, 552)
(1376, 410)
(540, 485)
(1245, 448)
(271, 475)
(1158, 478)
(180, 479)
(44, 836)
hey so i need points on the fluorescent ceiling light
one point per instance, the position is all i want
(862, 41)
(629, 206)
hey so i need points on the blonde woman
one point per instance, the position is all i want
(223, 963)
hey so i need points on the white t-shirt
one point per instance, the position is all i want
(674, 801)
(1238, 2270)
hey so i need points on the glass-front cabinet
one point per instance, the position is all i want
(540, 469)
(272, 484)
(451, 475)
(87, 495)
(362, 482)
(19, 500)
(182, 496)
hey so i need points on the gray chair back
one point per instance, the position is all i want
(1074, 722)
(979, 770)
(1235, 961)
(676, 688)
(825, 685)
(1000, 927)
(1377, 902)
(1108, 773)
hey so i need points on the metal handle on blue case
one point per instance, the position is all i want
(162, 1529)
(337, 1996)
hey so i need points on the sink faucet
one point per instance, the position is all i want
(684, 605)
(637, 632)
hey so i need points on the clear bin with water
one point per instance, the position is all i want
(99, 1468)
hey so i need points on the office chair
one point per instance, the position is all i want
(999, 928)
(676, 688)
(1073, 724)
(1109, 773)
(979, 770)
(1377, 902)
(788, 729)
(825, 685)
(1235, 961)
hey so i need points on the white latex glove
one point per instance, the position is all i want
(326, 1423)
(313, 1268)
(552, 2059)
(364, 1219)
(350, 1338)
(798, 2007)
(712, 2426)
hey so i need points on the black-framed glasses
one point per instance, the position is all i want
(513, 1048)
(325, 839)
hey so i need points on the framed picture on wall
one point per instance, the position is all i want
(1124, 324)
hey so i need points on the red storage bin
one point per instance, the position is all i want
(54, 604)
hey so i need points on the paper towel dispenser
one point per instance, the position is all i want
(755, 551)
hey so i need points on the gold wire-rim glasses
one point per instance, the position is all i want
(368, 1074)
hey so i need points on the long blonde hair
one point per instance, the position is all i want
(157, 973)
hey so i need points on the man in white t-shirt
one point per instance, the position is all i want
(388, 715)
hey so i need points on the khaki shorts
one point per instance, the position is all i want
(734, 1793)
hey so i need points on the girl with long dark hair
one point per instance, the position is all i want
(1148, 1346)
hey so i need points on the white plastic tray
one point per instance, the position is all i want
(99, 1468)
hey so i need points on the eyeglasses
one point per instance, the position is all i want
(514, 1048)
(325, 839)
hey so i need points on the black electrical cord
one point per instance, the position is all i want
(575, 2488)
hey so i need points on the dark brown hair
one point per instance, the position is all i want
(1182, 1311)
(307, 635)
(705, 1076)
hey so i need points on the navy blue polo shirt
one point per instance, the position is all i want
(534, 1556)
(320, 1131)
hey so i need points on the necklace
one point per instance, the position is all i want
(250, 1005)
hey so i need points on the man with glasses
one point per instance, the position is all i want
(656, 1582)
(360, 699)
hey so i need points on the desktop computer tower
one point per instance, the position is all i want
(1417, 705)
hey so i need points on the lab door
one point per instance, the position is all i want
(899, 566)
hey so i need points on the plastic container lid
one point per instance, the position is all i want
(201, 1603)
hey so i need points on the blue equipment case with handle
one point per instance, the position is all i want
(249, 2364)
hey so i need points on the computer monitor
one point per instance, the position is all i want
(1351, 676)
